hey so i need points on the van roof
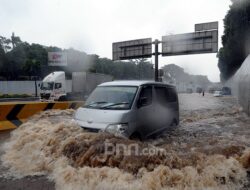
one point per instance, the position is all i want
(132, 83)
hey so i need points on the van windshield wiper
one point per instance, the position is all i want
(115, 104)
(93, 103)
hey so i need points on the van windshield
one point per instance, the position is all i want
(112, 97)
(47, 85)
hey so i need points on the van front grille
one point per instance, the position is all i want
(91, 129)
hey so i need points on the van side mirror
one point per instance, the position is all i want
(39, 85)
(143, 101)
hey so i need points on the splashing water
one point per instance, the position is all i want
(208, 151)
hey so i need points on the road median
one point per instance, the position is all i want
(13, 114)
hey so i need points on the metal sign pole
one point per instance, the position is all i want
(156, 54)
(35, 87)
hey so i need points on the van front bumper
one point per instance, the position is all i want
(91, 126)
(109, 128)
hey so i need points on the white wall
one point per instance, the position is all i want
(240, 85)
(17, 87)
(24, 87)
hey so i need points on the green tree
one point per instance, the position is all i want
(39, 53)
(16, 58)
(2, 60)
(15, 40)
(125, 70)
(53, 49)
(5, 43)
(32, 67)
(144, 69)
(236, 38)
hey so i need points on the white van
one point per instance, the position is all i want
(130, 108)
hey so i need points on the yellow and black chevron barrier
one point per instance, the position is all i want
(13, 115)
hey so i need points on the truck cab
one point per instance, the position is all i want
(53, 87)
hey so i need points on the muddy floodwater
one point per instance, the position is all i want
(209, 150)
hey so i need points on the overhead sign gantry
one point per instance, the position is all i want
(203, 40)
(141, 48)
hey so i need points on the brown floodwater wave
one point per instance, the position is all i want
(200, 154)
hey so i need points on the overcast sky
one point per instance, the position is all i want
(92, 25)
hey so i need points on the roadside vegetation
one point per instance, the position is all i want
(15, 96)
(23, 61)
(236, 38)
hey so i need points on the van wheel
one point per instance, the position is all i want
(174, 123)
(136, 136)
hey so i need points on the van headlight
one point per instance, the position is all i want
(117, 128)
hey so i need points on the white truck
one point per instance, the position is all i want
(55, 87)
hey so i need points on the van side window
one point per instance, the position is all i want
(165, 95)
(58, 85)
(172, 95)
(145, 97)
(161, 94)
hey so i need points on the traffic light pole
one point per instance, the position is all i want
(156, 54)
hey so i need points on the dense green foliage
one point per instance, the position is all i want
(138, 69)
(20, 60)
(23, 61)
(236, 38)
(15, 96)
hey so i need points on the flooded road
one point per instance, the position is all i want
(209, 150)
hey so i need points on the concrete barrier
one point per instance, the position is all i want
(13, 114)
(240, 84)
